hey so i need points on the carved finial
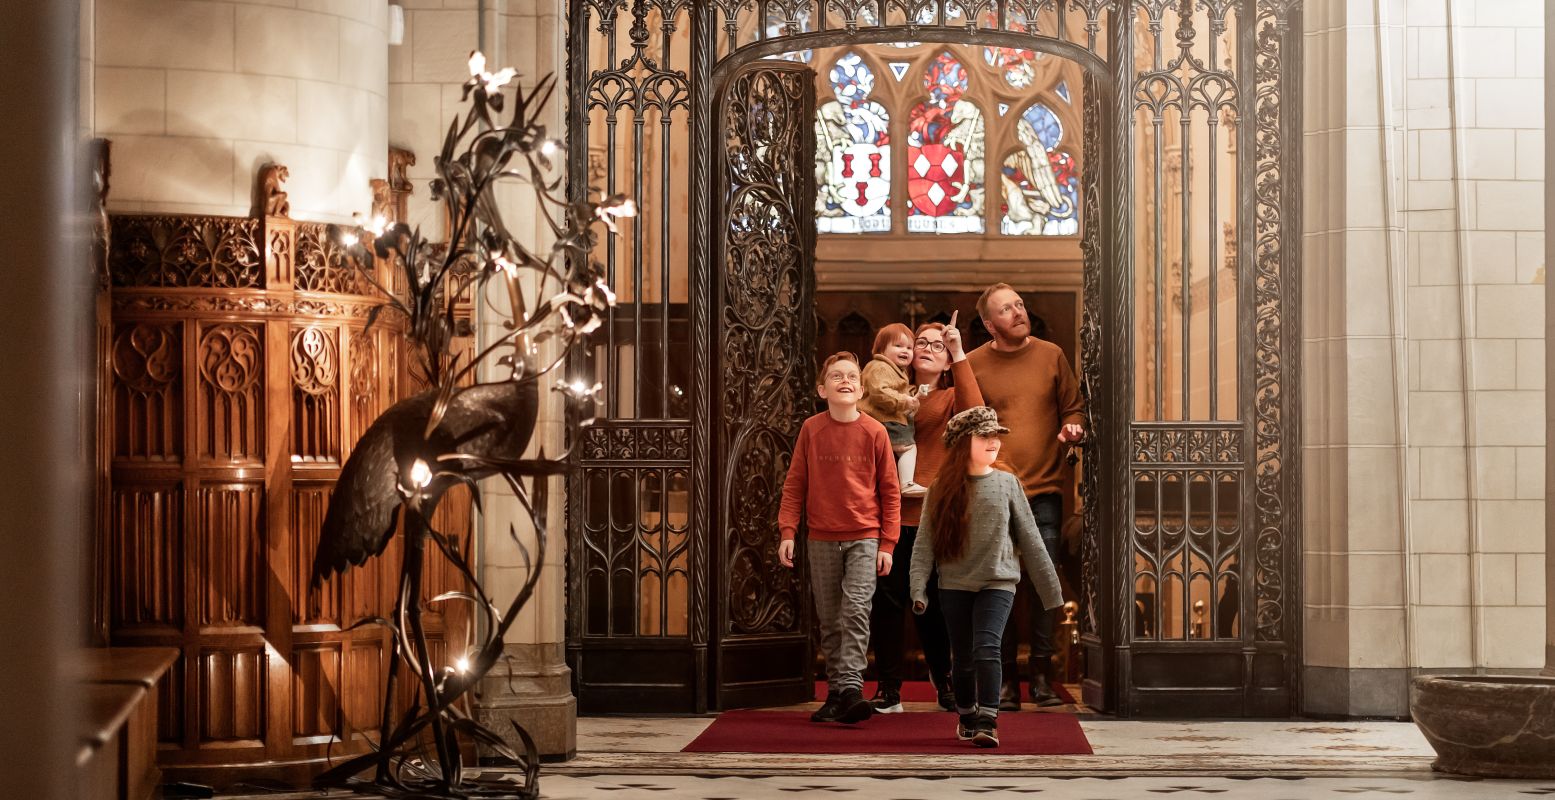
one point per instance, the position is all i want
(102, 231)
(383, 199)
(400, 162)
(272, 200)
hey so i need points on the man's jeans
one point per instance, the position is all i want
(1048, 509)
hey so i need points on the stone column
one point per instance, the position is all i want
(1549, 329)
(534, 686)
(197, 96)
(46, 392)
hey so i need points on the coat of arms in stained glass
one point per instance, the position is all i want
(852, 154)
(945, 154)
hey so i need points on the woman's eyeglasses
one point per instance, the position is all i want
(932, 347)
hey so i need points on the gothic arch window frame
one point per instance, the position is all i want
(989, 92)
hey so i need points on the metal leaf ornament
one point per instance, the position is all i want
(461, 431)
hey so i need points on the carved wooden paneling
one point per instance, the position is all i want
(170, 705)
(230, 555)
(236, 375)
(366, 383)
(148, 409)
(231, 393)
(322, 264)
(315, 363)
(146, 558)
(232, 694)
(309, 502)
(316, 691)
(186, 251)
(364, 676)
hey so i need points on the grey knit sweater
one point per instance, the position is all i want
(999, 520)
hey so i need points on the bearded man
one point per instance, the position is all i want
(1029, 383)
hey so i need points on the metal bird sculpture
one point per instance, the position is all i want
(493, 421)
(461, 432)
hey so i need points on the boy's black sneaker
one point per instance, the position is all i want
(830, 710)
(854, 708)
(986, 734)
(887, 701)
(966, 726)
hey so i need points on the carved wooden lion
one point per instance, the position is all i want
(272, 198)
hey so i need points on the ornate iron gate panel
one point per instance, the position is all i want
(637, 598)
(1191, 542)
(766, 293)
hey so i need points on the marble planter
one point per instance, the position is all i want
(1493, 727)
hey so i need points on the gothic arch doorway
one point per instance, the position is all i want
(1188, 220)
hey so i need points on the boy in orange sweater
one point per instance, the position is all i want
(842, 482)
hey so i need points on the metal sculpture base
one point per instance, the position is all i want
(422, 755)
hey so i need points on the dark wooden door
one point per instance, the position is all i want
(765, 376)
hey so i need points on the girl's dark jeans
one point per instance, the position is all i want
(975, 621)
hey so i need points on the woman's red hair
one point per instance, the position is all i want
(946, 380)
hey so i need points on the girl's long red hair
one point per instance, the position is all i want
(948, 502)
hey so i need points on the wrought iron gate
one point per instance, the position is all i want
(1191, 543)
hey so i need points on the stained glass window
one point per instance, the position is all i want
(945, 154)
(852, 154)
(1041, 185)
(1019, 66)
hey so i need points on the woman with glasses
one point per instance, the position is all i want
(945, 386)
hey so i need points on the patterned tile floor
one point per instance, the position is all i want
(626, 758)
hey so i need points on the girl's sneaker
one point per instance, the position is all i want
(966, 726)
(986, 734)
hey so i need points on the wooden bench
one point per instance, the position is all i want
(118, 756)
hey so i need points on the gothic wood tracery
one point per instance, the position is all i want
(238, 370)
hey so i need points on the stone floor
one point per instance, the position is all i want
(626, 758)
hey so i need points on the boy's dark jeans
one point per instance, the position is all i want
(975, 621)
(888, 621)
(1048, 509)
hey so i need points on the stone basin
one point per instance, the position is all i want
(1486, 725)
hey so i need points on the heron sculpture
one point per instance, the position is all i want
(474, 423)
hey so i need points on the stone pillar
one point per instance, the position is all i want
(1424, 358)
(46, 392)
(1354, 643)
(534, 686)
(196, 96)
(1549, 329)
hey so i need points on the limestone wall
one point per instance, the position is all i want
(197, 94)
(1423, 322)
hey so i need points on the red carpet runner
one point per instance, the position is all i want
(1027, 733)
(923, 692)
